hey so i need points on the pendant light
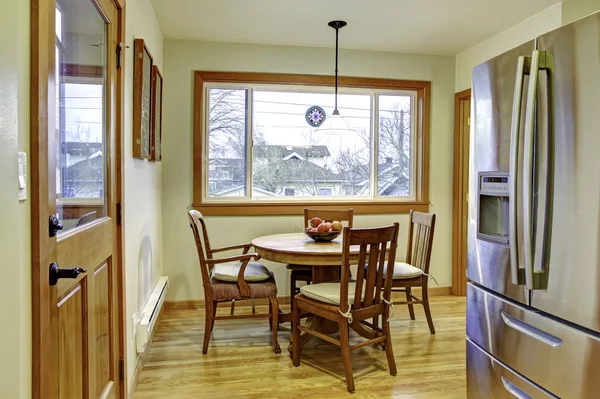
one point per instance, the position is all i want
(335, 122)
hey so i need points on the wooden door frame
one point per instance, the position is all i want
(41, 111)
(460, 189)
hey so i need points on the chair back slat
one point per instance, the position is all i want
(360, 274)
(202, 244)
(380, 270)
(376, 241)
(422, 243)
(419, 245)
(329, 215)
(420, 240)
(416, 248)
(371, 274)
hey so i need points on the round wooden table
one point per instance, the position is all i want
(297, 249)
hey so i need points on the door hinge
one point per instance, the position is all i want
(120, 47)
(121, 370)
(469, 121)
(119, 215)
(119, 55)
(467, 197)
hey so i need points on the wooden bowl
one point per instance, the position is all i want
(318, 236)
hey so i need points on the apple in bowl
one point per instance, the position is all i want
(323, 228)
(315, 222)
(337, 226)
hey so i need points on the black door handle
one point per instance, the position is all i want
(56, 273)
(54, 225)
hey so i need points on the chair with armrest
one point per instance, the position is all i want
(232, 279)
(351, 303)
(304, 273)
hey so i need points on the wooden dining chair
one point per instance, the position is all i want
(232, 279)
(415, 271)
(350, 304)
(304, 273)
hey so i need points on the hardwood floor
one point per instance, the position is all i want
(240, 362)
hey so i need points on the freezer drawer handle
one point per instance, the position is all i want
(533, 332)
(514, 390)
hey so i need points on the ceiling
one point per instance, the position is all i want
(415, 26)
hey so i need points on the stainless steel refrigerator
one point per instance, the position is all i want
(533, 303)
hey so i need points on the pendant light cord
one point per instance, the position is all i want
(336, 112)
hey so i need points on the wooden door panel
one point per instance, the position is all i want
(72, 353)
(76, 89)
(102, 329)
(84, 176)
(86, 247)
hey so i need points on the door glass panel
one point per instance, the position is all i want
(81, 130)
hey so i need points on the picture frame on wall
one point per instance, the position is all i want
(142, 99)
(156, 136)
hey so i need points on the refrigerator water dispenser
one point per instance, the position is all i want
(493, 199)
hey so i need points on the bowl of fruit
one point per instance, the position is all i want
(323, 231)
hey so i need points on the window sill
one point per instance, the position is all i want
(297, 208)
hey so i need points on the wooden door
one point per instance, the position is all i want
(462, 113)
(76, 263)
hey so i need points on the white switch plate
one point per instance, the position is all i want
(22, 172)
(134, 321)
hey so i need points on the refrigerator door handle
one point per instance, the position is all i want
(523, 67)
(539, 60)
(531, 331)
(514, 390)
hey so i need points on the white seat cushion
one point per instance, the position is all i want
(329, 292)
(229, 272)
(404, 270)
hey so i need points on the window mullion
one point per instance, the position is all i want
(206, 142)
(415, 143)
(374, 184)
(249, 141)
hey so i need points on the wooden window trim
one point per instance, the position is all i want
(423, 116)
(460, 188)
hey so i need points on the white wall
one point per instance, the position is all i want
(143, 180)
(540, 23)
(575, 9)
(183, 57)
(15, 247)
(551, 18)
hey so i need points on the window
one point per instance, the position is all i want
(251, 131)
(80, 132)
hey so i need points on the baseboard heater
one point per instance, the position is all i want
(149, 316)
